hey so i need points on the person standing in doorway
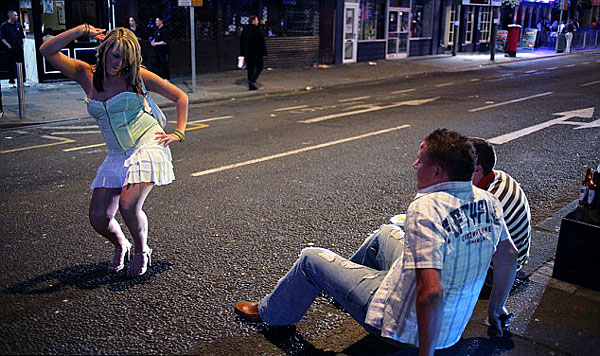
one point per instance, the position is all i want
(569, 31)
(160, 42)
(13, 37)
(253, 49)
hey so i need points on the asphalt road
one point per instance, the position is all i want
(257, 179)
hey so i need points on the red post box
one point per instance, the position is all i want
(512, 39)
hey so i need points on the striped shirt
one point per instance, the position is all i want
(451, 226)
(516, 212)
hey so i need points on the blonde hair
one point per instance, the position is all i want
(131, 54)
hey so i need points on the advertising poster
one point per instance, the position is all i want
(501, 40)
(529, 35)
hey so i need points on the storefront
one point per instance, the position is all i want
(45, 19)
(389, 29)
(473, 19)
(292, 32)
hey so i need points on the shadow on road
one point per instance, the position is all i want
(470, 346)
(288, 340)
(85, 277)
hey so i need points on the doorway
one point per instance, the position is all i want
(397, 24)
(350, 32)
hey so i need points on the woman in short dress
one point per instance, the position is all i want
(138, 148)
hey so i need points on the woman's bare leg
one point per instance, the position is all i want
(103, 208)
(130, 205)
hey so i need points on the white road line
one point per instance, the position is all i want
(83, 147)
(69, 127)
(373, 108)
(205, 120)
(570, 65)
(444, 84)
(506, 75)
(590, 83)
(211, 119)
(475, 80)
(551, 68)
(291, 108)
(403, 91)
(300, 150)
(75, 132)
(353, 99)
(585, 63)
(531, 71)
(510, 102)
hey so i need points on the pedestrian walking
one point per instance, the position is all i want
(13, 37)
(160, 42)
(253, 49)
(418, 287)
(569, 31)
(138, 148)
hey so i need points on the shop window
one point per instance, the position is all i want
(372, 20)
(469, 30)
(400, 3)
(279, 18)
(450, 27)
(422, 19)
(485, 24)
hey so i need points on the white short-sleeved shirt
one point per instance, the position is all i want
(451, 226)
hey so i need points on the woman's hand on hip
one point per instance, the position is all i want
(165, 138)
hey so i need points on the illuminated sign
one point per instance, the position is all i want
(483, 2)
(541, 1)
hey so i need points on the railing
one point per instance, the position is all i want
(581, 39)
(586, 39)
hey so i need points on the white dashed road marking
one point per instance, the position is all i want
(510, 102)
(300, 150)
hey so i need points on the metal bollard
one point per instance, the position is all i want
(21, 90)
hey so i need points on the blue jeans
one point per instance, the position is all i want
(351, 282)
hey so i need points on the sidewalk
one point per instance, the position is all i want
(57, 101)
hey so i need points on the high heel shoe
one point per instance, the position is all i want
(139, 263)
(118, 262)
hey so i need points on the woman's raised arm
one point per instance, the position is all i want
(72, 68)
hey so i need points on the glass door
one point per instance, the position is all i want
(350, 32)
(397, 32)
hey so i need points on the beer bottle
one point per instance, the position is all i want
(585, 187)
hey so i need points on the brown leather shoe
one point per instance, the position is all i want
(248, 310)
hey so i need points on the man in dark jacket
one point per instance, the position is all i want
(253, 49)
(13, 38)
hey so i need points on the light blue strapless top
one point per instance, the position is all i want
(124, 120)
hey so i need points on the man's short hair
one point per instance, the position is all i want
(453, 152)
(486, 154)
(10, 12)
(253, 17)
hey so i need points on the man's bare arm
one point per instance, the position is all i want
(429, 308)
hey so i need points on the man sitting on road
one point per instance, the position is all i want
(415, 288)
(512, 198)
